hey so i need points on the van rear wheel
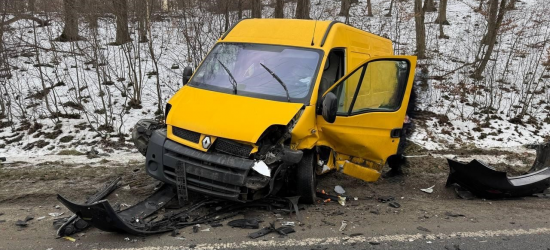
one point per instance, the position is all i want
(306, 178)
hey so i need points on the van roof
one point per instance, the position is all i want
(292, 32)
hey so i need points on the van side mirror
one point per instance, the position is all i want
(330, 107)
(187, 73)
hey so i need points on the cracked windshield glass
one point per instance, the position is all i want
(261, 71)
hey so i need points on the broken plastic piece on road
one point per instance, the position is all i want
(206, 230)
(21, 223)
(196, 228)
(394, 204)
(452, 214)
(342, 200)
(41, 218)
(428, 190)
(486, 182)
(463, 193)
(339, 190)
(56, 214)
(287, 223)
(285, 230)
(245, 223)
(355, 198)
(343, 226)
(69, 238)
(262, 168)
(385, 199)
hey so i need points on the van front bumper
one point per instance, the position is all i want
(209, 173)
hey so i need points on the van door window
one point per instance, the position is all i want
(345, 91)
(382, 86)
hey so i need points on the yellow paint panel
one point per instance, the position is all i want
(226, 115)
(360, 172)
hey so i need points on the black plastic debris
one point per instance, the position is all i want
(21, 223)
(71, 225)
(245, 223)
(283, 231)
(452, 214)
(486, 182)
(394, 204)
(385, 199)
(463, 193)
(2, 158)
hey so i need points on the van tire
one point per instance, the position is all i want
(306, 179)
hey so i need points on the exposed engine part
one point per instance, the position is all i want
(142, 132)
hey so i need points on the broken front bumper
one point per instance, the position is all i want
(210, 173)
(486, 182)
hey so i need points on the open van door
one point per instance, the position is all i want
(361, 116)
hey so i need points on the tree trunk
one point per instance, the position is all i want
(429, 6)
(240, 7)
(391, 8)
(543, 157)
(344, 8)
(121, 12)
(442, 17)
(369, 8)
(30, 6)
(512, 5)
(226, 14)
(491, 36)
(256, 8)
(420, 29)
(70, 30)
(279, 8)
(302, 9)
(142, 9)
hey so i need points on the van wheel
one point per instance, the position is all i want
(306, 178)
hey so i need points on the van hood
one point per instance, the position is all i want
(226, 115)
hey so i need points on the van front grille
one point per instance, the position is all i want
(186, 134)
(232, 147)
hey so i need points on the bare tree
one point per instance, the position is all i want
(70, 30)
(442, 17)
(142, 13)
(420, 29)
(240, 8)
(226, 14)
(369, 8)
(429, 6)
(344, 8)
(495, 20)
(279, 8)
(391, 8)
(256, 8)
(121, 12)
(512, 5)
(302, 9)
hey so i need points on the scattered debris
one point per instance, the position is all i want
(56, 214)
(339, 190)
(69, 238)
(294, 203)
(484, 181)
(463, 193)
(2, 159)
(57, 207)
(245, 223)
(428, 190)
(385, 199)
(451, 214)
(355, 198)
(343, 226)
(206, 230)
(41, 218)
(423, 229)
(394, 204)
(342, 200)
(196, 228)
(287, 223)
(283, 231)
(21, 223)
(374, 243)
(355, 235)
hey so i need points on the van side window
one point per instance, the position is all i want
(382, 86)
(334, 69)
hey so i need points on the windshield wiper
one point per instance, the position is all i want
(231, 78)
(278, 80)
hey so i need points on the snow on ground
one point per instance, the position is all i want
(508, 108)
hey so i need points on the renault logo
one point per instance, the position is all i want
(206, 142)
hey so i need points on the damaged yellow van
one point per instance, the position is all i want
(277, 102)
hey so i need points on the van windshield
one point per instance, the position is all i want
(245, 64)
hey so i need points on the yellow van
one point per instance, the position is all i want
(277, 102)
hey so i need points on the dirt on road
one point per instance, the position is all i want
(30, 190)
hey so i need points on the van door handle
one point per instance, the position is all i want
(396, 133)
